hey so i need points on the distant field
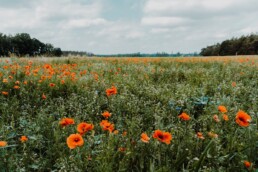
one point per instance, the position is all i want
(129, 114)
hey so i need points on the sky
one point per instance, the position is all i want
(130, 26)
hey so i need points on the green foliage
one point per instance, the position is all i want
(23, 45)
(245, 45)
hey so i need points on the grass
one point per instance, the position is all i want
(151, 94)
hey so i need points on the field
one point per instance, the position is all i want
(129, 114)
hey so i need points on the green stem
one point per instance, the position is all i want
(203, 156)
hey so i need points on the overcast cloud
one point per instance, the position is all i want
(127, 26)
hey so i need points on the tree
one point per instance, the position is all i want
(57, 52)
(245, 45)
(5, 45)
(22, 45)
(255, 44)
(37, 47)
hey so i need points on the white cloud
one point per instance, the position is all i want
(175, 6)
(159, 30)
(217, 4)
(65, 9)
(194, 24)
(50, 14)
(134, 34)
(164, 21)
(167, 30)
(56, 22)
(100, 27)
(82, 23)
(120, 30)
(249, 30)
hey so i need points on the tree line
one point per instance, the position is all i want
(158, 54)
(77, 53)
(245, 45)
(22, 44)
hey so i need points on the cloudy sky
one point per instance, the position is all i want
(128, 26)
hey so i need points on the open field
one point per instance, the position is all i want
(129, 114)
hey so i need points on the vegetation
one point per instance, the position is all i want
(158, 54)
(77, 53)
(129, 114)
(23, 45)
(245, 45)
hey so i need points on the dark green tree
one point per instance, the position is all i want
(245, 45)
(57, 52)
(5, 45)
(23, 45)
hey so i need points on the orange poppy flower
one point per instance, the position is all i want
(225, 117)
(84, 127)
(145, 138)
(124, 133)
(164, 137)
(106, 114)
(216, 118)
(17, 82)
(200, 135)
(25, 82)
(121, 149)
(96, 77)
(111, 91)
(5, 80)
(52, 84)
(5, 93)
(233, 84)
(44, 96)
(47, 66)
(243, 119)
(16, 87)
(222, 109)
(184, 116)
(3, 143)
(66, 121)
(74, 140)
(107, 126)
(43, 77)
(23, 139)
(103, 122)
(116, 132)
(247, 164)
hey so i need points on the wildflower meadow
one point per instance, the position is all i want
(129, 114)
